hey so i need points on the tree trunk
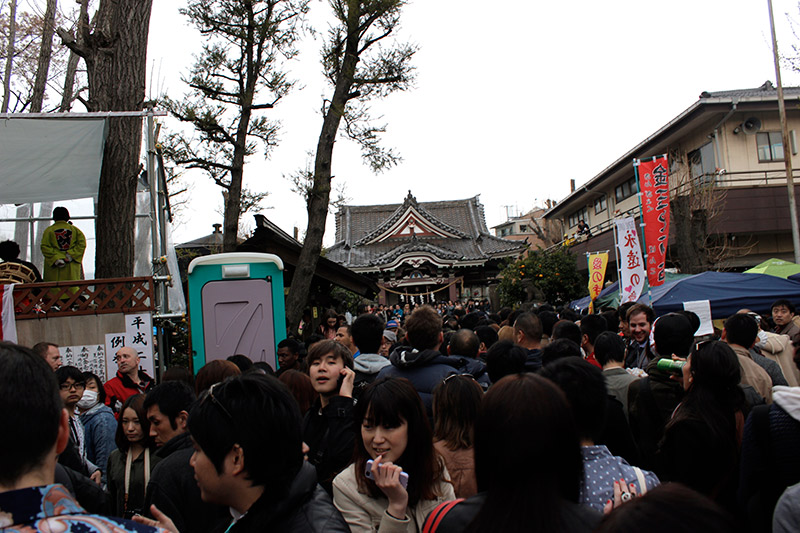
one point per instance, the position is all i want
(321, 188)
(115, 55)
(72, 62)
(12, 35)
(45, 52)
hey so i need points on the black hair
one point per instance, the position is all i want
(622, 312)
(585, 388)
(504, 358)
(559, 349)
(179, 373)
(569, 314)
(668, 508)
(470, 320)
(530, 325)
(390, 402)
(263, 367)
(783, 302)
(741, 329)
(367, 333)
(456, 401)
(258, 413)
(171, 397)
(673, 334)
(61, 213)
(136, 403)
(487, 335)
(592, 326)
(65, 372)
(292, 344)
(9, 250)
(694, 320)
(548, 319)
(323, 348)
(101, 392)
(609, 347)
(612, 320)
(242, 361)
(31, 411)
(525, 495)
(567, 329)
(464, 342)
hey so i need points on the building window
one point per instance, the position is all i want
(626, 190)
(600, 204)
(577, 216)
(701, 162)
(770, 146)
(523, 228)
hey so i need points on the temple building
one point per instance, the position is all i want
(422, 251)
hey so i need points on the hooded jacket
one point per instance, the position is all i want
(367, 366)
(99, 429)
(427, 368)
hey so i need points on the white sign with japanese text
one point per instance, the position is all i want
(138, 335)
(88, 358)
(631, 265)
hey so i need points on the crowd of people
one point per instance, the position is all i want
(446, 417)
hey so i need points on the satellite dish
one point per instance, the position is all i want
(751, 125)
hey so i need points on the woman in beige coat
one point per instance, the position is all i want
(376, 493)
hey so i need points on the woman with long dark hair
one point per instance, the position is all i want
(702, 441)
(407, 479)
(130, 465)
(329, 326)
(528, 464)
(456, 402)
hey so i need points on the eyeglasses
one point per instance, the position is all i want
(67, 386)
(210, 394)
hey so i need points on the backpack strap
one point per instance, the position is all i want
(438, 514)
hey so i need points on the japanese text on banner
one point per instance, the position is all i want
(654, 184)
(631, 266)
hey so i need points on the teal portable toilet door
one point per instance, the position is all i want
(238, 319)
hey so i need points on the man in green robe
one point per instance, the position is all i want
(62, 247)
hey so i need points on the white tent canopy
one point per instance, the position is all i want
(50, 158)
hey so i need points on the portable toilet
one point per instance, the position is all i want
(236, 306)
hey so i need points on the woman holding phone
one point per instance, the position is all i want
(397, 477)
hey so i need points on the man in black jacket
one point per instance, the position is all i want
(422, 363)
(248, 458)
(172, 487)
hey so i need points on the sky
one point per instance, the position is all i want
(510, 101)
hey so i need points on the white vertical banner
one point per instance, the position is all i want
(631, 265)
(87, 358)
(139, 336)
(8, 324)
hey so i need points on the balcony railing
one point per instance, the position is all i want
(722, 180)
(84, 297)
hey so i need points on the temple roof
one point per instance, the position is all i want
(449, 233)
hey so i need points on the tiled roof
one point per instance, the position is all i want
(461, 217)
(767, 89)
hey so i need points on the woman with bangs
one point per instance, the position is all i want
(130, 465)
(407, 479)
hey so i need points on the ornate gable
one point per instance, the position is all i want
(411, 220)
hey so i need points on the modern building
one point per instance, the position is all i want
(728, 194)
(422, 251)
(523, 228)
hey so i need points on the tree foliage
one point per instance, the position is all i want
(552, 276)
(363, 62)
(239, 72)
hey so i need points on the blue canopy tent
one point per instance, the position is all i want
(727, 291)
(610, 295)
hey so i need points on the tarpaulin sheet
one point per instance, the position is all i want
(50, 159)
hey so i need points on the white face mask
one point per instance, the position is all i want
(88, 400)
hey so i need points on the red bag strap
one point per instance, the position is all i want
(438, 514)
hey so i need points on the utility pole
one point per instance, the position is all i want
(787, 152)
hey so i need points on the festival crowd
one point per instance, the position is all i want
(446, 417)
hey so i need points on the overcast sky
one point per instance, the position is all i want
(512, 99)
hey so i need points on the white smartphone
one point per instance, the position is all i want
(368, 473)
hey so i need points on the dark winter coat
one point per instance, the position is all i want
(330, 434)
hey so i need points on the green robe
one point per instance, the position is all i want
(58, 240)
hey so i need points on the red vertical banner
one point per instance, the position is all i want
(654, 186)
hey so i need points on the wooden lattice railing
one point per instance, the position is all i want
(85, 297)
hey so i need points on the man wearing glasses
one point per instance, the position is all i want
(128, 381)
(71, 386)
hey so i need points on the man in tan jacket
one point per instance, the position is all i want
(741, 332)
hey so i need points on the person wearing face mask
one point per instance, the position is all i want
(130, 465)
(98, 422)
